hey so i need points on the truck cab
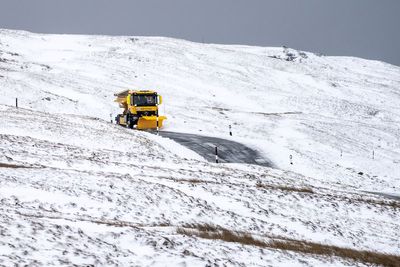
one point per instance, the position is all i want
(140, 109)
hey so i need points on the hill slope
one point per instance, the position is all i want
(281, 101)
(84, 199)
(90, 192)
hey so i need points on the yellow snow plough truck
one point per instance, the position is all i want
(140, 109)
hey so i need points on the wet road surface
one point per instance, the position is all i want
(228, 151)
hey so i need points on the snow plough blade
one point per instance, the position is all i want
(150, 122)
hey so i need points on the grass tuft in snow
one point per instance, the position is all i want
(212, 232)
(13, 166)
(285, 188)
(371, 201)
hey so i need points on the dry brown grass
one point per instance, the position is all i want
(191, 181)
(285, 188)
(371, 201)
(363, 256)
(218, 233)
(357, 199)
(211, 232)
(6, 165)
(388, 203)
(185, 180)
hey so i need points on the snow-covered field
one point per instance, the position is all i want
(90, 192)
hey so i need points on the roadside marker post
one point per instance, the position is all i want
(291, 159)
(230, 130)
(216, 154)
(16, 102)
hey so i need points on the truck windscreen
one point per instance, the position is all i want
(145, 100)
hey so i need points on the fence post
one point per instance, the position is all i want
(216, 154)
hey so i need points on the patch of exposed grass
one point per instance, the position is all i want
(218, 233)
(191, 181)
(393, 204)
(211, 232)
(13, 166)
(363, 256)
(359, 199)
(389, 203)
(186, 180)
(285, 188)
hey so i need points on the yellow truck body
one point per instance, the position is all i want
(141, 109)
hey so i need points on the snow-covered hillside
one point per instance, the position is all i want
(77, 190)
(90, 192)
(330, 113)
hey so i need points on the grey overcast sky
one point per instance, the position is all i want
(363, 28)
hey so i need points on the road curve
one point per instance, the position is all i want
(228, 151)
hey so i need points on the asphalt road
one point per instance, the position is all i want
(228, 151)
